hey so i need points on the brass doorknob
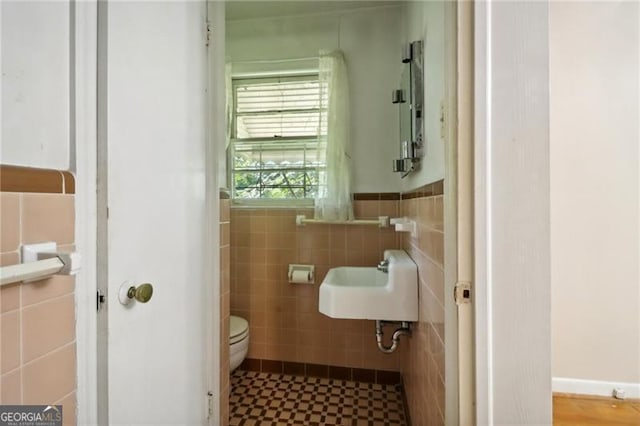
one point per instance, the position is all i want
(128, 292)
(142, 293)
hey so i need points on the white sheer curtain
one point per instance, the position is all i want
(229, 100)
(333, 200)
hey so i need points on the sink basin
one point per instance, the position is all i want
(352, 292)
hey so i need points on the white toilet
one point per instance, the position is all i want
(238, 341)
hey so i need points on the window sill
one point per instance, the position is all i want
(271, 204)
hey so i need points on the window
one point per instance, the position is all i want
(277, 147)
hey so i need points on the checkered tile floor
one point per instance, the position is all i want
(276, 399)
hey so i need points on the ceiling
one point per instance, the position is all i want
(241, 9)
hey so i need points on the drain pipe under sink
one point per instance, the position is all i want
(404, 330)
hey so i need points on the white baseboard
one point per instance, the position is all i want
(593, 387)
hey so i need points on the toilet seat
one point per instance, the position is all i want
(238, 341)
(238, 329)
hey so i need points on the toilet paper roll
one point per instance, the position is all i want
(300, 277)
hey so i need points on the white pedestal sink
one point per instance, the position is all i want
(367, 293)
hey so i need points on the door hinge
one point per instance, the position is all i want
(210, 404)
(100, 300)
(208, 37)
(462, 293)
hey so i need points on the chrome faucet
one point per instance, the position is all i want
(384, 266)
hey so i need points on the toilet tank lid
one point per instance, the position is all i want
(237, 326)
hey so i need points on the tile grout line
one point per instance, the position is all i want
(51, 299)
(53, 351)
(63, 398)
(20, 313)
(21, 342)
(20, 220)
(11, 371)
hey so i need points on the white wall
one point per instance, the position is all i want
(594, 71)
(426, 21)
(35, 84)
(37, 129)
(371, 41)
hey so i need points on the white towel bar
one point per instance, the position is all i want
(30, 271)
(41, 261)
(382, 221)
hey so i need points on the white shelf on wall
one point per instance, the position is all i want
(404, 224)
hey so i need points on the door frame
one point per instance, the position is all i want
(216, 136)
(459, 214)
(89, 31)
(512, 278)
(84, 57)
(453, 329)
(102, 227)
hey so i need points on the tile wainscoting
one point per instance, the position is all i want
(288, 335)
(362, 375)
(37, 320)
(423, 361)
(284, 320)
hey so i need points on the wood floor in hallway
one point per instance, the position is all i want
(585, 410)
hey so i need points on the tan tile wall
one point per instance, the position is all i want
(423, 361)
(225, 296)
(285, 323)
(37, 320)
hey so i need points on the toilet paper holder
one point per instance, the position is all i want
(303, 274)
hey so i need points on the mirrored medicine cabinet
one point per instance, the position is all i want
(409, 98)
